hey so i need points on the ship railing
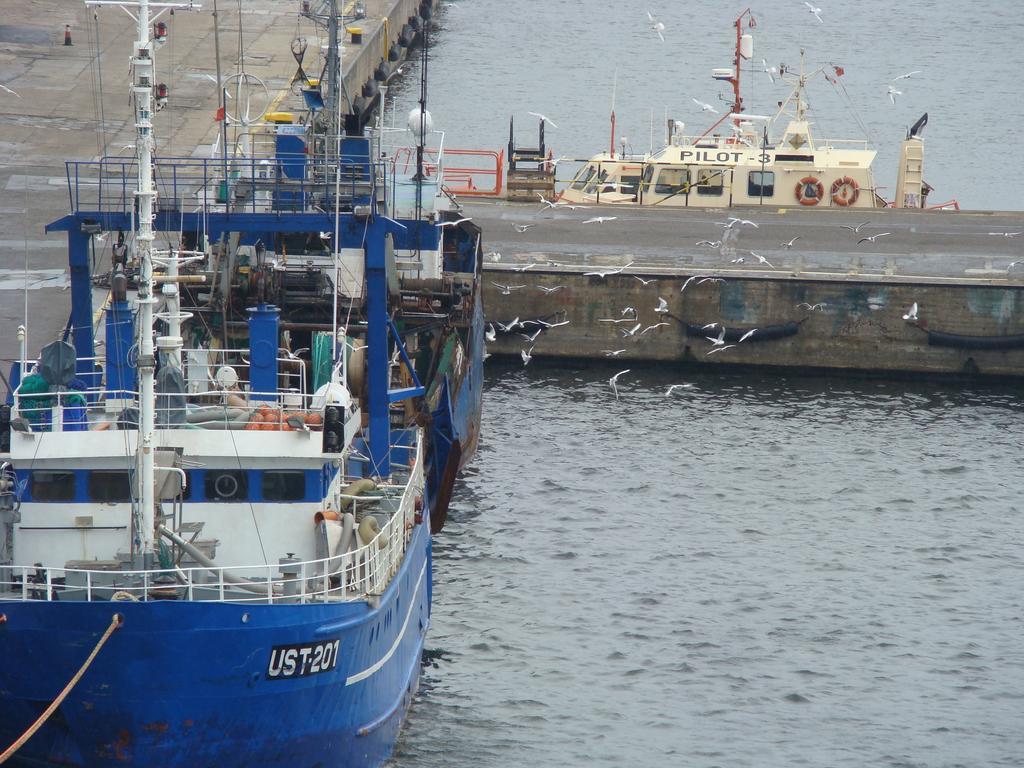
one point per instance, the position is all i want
(254, 184)
(234, 408)
(359, 574)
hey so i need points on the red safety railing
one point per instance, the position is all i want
(484, 178)
(952, 204)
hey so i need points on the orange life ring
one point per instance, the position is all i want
(809, 191)
(845, 191)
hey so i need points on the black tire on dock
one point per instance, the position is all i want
(370, 88)
(380, 74)
(395, 52)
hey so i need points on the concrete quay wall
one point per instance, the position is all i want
(859, 328)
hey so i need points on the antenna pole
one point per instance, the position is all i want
(737, 99)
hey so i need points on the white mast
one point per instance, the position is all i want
(143, 71)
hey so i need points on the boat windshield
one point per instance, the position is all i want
(583, 177)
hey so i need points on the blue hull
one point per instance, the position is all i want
(189, 685)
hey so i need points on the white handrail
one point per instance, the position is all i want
(352, 575)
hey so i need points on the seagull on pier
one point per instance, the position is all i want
(705, 107)
(599, 219)
(856, 230)
(520, 228)
(747, 335)
(550, 290)
(645, 282)
(762, 260)
(612, 352)
(911, 315)
(662, 307)
(527, 356)
(612, 381)
(872, 238)
(789, 245)
(506, 290)
(542, 118)
(719, 349)
(815, 12)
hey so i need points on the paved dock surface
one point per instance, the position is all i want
(936, 245)
(56, 114)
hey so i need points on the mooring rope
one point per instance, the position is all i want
(115, 622)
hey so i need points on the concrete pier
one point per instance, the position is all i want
(71, 103)
(955, 266)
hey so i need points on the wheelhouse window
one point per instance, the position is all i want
(710, 181)
(284, 485)
(110, 486)
(585, 175)
(761, 184)
(226, 485)
(628, 185)
(52, 486)
(672, 181)
(597, 182)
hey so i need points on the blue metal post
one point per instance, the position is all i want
(377, 362)
(81, 298)
(263, 335)
(119, 340)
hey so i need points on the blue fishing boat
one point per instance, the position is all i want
(215, 545)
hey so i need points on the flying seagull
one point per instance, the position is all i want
(526, 355)
(523, 227)
(911, 315)
(656, 25)
(490, 334)
(673, 387)
(747, 335)
(451, 223)
(550, 290)
(645, 282)
(506, 290)
(612, 352)
(719, 340)
(710, 243)
(856, 230)
(662, 307)
(762, 260)
(599, 219)
(906, 76)
(815, 12)
(614, 379)
(719, 349)
(893, 93)
(543, 118)
(5, 89)
(872, 238)
(789, 245)
(705, 107)
(525, 267)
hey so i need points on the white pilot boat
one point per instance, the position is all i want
(742, 160)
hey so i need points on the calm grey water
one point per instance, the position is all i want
(756, 571)
(753, 572)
